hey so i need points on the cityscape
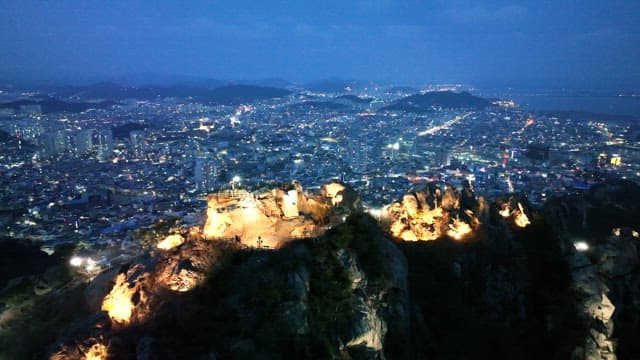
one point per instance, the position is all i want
(93, 175)
(352, 180)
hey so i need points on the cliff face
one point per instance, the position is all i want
(342, 294)
(604, 225)
(561, 283)
(503, 292)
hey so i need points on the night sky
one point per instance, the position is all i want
(586, 43)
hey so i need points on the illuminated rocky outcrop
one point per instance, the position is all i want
(505, 212)
(97, 351)
(273, 216)
(458, 229)
(89, 349)
(289, 204)
(128, 300)
(170, 242)
(217, 222)
(333, 191)
(119, 303)
(521, 219)
(428, 213)
(512, 210)
(341, 195)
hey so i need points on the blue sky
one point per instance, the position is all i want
(556, 43)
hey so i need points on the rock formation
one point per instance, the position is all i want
(278, 214)
(606, 273)
(498, 290)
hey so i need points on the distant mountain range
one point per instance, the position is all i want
(51, 105)
(229, 94)
(269, 82)
(427, 102)
(103, 95)
(235, 94)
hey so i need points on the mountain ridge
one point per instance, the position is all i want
(426, 102)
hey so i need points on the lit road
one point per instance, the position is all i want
(445, 125)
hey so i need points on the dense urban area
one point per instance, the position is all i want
(93, 174)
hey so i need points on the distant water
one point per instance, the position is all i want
(595, 103)
(598, 102)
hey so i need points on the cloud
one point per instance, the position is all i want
(478, 14)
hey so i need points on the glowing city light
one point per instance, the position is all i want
(90, 265)
(76, 261)
(581, 246)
